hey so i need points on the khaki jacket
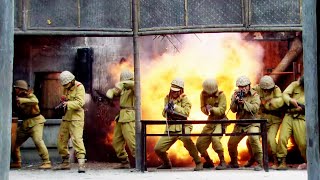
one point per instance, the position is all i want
(217, 101)
(124, 89)
(75, 96)
(182, 106)
(249, 109)
(29, 111)
(294, 91)
(274, 101)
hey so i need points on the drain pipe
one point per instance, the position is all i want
(292, 54)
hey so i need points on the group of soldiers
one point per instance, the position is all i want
(71, 127)
(264, 101)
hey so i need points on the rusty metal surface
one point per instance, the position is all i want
(271, 12)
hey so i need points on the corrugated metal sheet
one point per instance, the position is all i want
(280, 12)
(105, 13)
(154, 15)
(161, 13)
(211, 12)
(53, 13)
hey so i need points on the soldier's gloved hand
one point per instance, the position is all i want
(171, 105)
(65, 104)
(169, 108)
(166, 108)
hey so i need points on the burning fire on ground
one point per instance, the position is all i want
(221, 56)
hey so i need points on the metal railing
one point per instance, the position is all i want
(263, 133)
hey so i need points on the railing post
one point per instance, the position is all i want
(263, 129)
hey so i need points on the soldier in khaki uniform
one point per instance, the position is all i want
(293, 123)
(32, 125)
(124, 131)
(176, 102)
(270, 109)
(72, 122)
(246, 106)
(213, 104)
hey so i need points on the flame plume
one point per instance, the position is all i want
(223, 56)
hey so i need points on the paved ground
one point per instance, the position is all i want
(106, 171)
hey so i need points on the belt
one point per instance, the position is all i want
(24, 118)
(131, 108)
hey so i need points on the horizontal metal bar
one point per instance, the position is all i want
(145, 32)
(74, 33)
(197, 134)
(191, 27)
(242, 121)
(275, 73)
(219, 30)
(80, 29)
(276, 25)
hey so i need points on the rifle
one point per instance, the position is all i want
(61, 109)
(291, 108)
(240, 95)
(302, 106)
(103, 97)
(173, 115)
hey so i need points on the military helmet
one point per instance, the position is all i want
(243, 81)
(266, 82)
(22, 84)
(210, 86)
(177, 84)
(126, 75)
(66, 77)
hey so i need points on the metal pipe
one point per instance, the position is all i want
(80, 29)
(310, 19)
(74, 33)
(294, 51)
(147, 31)
(25, 14)
(186, 19)
(135, 25)
(219, 30)
(6, 67)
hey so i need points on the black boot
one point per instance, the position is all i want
(250, 162)
(208, 163)
(275, 162)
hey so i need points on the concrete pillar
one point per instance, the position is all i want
(6, 65)
(311, 83)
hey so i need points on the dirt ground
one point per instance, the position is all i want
(107, 171)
